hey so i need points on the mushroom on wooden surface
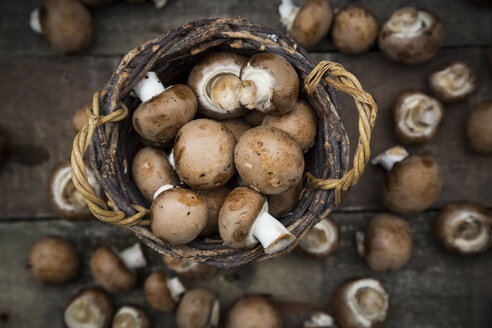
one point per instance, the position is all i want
(198, 309)
(131, 316)
(321, 240)
(89, 308)
(453, 82)
(163, 293)
(479, 128)
(253, 311)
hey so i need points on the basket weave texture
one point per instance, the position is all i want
(112, 143)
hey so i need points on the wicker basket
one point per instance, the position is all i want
(112, 143)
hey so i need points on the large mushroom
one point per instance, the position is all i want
(89, 308)
(65, 24)
(416, 117)
(198, 309)
(322, 240)
(269, 160)
(189, 269)
(244, 220)
(163, 293)
(479, 128)
(253, 311)
(309, 23)
(464, 228)
(453, 82)
(411, 36)
(163, 111)
(131, 316)
(214, 199)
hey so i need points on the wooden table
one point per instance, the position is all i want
(41, 91)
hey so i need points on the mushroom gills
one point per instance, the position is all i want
(455, 79)
(409, 22)
(368, 300)
(390, 157)
(176, 288)
(133, 257)
(422, 114)
(257, 95)
(288, 12)
(468, 233)
(320, 238)
(82, 313)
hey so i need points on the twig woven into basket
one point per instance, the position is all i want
(112, 143)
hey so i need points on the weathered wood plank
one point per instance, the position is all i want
(435, 289)
(121, 27)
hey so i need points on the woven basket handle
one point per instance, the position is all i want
(367, 108)
(97, 206)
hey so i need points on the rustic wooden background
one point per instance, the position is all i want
(41, 90)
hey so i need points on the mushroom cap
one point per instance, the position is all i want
(282, 78)
(411, 36)
(203, 75)
(388, 243)
(131, 316)
(80, 118)
(54, 260)
(150, 170)
(253, 311)
(110, 271)
(453, 82)
(178, 215)
(196, 309)
(416, 117)
(214, 199)
(312, 22)
(66, 25)
(479, 128)
(281, 204)
(464, 227)
(360, 303)
(97, 3)
(321, 240)
(412, 185)
(188, 269)
(237, 127)
(299, 123)
(237, 215)
(159, 119)
(90, 307)
(355, 29)
(203, 153)
(254, 118)
(269, 160)
(158, 294)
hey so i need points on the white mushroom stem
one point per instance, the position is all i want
(149, 87)
(256, 94)
(133, 257)
(272, 234)
(409, 22)
(176, 288)
(360, 237)
(288, 12)
(170, 158)
(159, 3)
(318, 320)
(162, 189)
(390, 157)
(82, 313)
(468, 233)
(35, 22)
(215, 315)
(368, 301)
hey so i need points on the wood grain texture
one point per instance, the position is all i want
(435, 289)
(121, 27)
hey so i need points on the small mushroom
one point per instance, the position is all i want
(198, 309)
(3, 148)
(281, 204)
(237, 127)
(97, 3)
(65, 24)
(89, 308)
(416, 117)
(203, 154)
(479, 128)
(269, 160)
(214, 199)
(163, 111)
(411, 36)
(177, 215)
(361, 303)
(319, 320)
(150, 170)
(244, 220)
(308, 24)
(65, 200)
(453, 82)
(215, 81)
(253, 311)
(386, 244)
(54, 260)
(131, 316)
(322, 240)
(80, 118)
(189, 269)
(299, 123)
(163, 293)
(464, 228)
(116, 272)
(270, 84)
(254, 118)
(354, 30)
(412, 184)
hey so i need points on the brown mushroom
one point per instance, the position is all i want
(416, 117)
(54, 260)
(163, 293)
(269, 160)
(237, 127)
(214, 199)
(322, 240)
(281, 204)
(354, 30)
(253, 311)
(89, 308)
(163, 111)
(453, 82)
(464, 228)
(198, 309)
(479, 128)
(411, 36)
(361, 303)
(189, 269)
(203, 154)
(80, 117)
(65, 24)
(131, 316)
(308, 24)
(319, 320)
(386, 244)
